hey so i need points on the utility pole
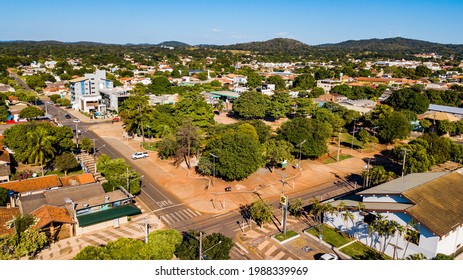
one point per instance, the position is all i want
(200, 245)
(339, 145)
(368, 174)
(214, 157)
(300, 152)
(405, 157)
(128, 183)
(353, 135)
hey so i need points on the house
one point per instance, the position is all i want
(5, 169)
(362, 106)
(6, 88)
(112, 98)
(77, 209)
(162, 99)
(428, 204)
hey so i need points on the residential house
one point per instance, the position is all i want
(112, 98)
(5, 168)
(428, 204)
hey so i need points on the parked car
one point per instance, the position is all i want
(228, 189)
(76, 120)
(116, 119)
(139, 155)
(67, 116)
(328, 257)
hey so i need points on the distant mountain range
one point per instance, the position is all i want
(285, 45)
(280, 45)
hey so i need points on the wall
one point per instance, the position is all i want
(100, 226)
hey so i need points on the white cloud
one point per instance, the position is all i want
(216, 30)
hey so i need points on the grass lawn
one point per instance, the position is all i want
(329, 235)
(346, 140)
(332, 158)
(281, 237)
(359, 251)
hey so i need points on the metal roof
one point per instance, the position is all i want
(106, 215)
(445, 109)
(402, 184)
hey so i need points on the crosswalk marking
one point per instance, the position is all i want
(179, 216)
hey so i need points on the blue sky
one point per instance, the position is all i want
(229, 22)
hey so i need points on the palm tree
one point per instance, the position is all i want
(347, 215)
(410, 234)
(400, 231)
(41, 148)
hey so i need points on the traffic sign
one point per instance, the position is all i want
(283, 200)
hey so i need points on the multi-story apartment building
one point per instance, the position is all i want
(85, 92)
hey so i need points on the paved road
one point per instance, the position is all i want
(169, 208)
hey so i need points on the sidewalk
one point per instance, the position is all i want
(68, 248)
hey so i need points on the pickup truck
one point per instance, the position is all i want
(138, 155)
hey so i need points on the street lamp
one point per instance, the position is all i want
(201, 253)
(77, 132)
(300, 152)
(128, 181)
(214, 156)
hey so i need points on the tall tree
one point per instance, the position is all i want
(66, 162)
(261, 212)
(250, 105)
(41, 148)
(135, 111)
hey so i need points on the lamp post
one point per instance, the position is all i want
(128, 181)
(201, 253)
(77, 132)
(300, 152)
(213, 156)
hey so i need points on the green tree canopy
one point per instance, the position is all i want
(261, 212)
(239, 155)
(408, 99)
(250, 105)
(66, 162)
(393, 126)
(313, 132)
(31, 112)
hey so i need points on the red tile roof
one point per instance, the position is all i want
(48, 213)
(80, 179)
(32, 184)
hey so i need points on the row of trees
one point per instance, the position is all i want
(162, 245)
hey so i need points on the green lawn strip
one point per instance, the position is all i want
(359, 251)
(346, 140)
(281, 237)
(330, 235)
(61, 173)
(333, 160)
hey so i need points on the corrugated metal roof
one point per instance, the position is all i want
(402, 184)
(445, 109)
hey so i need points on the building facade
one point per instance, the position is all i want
(85, 92)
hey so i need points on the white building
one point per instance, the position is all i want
(85, 91)
(328, 84)
(433, 202)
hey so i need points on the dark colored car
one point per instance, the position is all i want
(228, 189)
(67, 116)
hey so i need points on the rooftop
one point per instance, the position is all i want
(48, 214)
(32, 184)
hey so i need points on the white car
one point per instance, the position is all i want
(328, 257)
(139, 155)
